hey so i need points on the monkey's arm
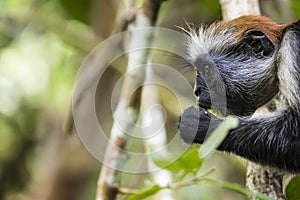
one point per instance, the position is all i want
(272, 140)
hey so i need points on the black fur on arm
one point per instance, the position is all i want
(272, 140)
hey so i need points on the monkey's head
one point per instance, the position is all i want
(239, 57)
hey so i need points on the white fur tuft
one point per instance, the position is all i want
(287, 71)
(208, 40)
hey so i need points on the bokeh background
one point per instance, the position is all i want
(42, 45)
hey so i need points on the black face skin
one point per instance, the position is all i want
(234, 105)
(244, 91)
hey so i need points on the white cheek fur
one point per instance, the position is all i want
(287, 70)
(204, 41)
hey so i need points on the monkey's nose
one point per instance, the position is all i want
(197, 91)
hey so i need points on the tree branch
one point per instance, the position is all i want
(235, 8)
(115, 155)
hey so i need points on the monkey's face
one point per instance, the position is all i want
(236, 66)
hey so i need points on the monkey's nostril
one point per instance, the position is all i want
(197, 92)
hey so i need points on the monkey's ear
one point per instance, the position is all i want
(258, 43)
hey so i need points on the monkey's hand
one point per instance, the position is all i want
(196, 123)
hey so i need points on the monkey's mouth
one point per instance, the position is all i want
(218, 109)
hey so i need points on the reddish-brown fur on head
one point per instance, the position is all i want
(270, 28)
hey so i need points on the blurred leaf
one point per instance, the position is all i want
(218, 135)
(189, 162)
(295, 7)
(145, 193)
(212, 6)
(17, 138)
(237, 188)
(139, 3)
(292, 190)
(78, 9)
(8, 140)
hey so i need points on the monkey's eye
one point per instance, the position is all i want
(258, 43)
(256, 46)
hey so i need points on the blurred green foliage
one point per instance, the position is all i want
(78, 9)
(17, 142)
(37, 71)
(42, 44)
(295, 8)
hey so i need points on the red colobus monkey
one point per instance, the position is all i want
(255, 59)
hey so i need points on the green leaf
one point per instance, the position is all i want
(189, 162)
(294, 7)
(145, 193)
(77, 9)
(139, 3)
(292, 190)
(217, 136)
